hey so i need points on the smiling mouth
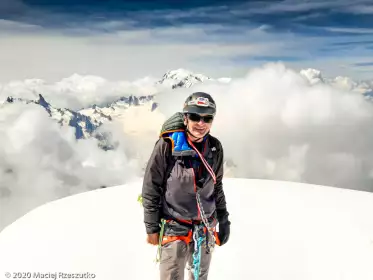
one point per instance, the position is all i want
(199, 129)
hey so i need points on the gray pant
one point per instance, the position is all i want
(175, 256)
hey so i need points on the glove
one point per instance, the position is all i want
(224, 225)
(224, 232)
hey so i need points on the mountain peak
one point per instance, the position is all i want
(44, 103)
(182, 78)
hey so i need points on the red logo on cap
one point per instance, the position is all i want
(202, 101)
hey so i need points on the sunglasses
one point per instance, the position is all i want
(197, 118)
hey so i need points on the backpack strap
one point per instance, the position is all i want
(170, 164)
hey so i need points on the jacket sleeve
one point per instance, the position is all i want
(152, 186)
(221, 205)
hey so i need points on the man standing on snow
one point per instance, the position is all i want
(182, 193)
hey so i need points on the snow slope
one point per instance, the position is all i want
(280, 231)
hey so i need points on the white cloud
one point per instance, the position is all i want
(12, 26)
(293, 6)
(350, 30)
(272, 122)
(122, 56)
(361, 9)
(41, 161)
(111, 49)
(76, 91)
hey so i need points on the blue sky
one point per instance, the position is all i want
(118, 39)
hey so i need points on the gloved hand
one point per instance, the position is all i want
(224, 232)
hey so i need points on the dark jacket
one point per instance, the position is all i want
(175, 197)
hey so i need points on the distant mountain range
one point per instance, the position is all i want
(86, 121)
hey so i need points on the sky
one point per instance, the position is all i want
(131, 39)
(279, 230)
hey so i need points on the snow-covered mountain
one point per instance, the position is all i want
(83, 124)
(280, 230)
(182, 78)
(108, 112)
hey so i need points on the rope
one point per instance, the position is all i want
(198, 235)
(211, 240)
(198, 239)
(205, 163)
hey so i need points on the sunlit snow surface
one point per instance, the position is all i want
(280, 230)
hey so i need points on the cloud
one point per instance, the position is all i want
(275, 125)
(130, 44)
(350, 30)
(277, 58)
(361, 9)
(364, 64)
(77, 92)
(272, 122)
(41, 161)
(12, 6)
(349, 43)
(131, 54)
(292, 6)
(125, 55)
(14, 26)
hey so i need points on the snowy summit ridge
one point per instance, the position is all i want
(182, 78)
(284, 230)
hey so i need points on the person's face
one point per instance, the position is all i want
(199, 125)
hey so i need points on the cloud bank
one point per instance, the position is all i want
(274, 123)
(277, 124)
